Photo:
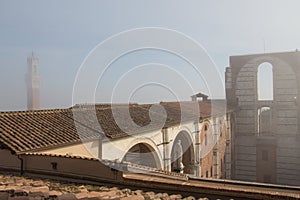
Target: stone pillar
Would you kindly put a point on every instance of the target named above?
(197, 159)
(228, 147)
(215, 148)
(166, 150)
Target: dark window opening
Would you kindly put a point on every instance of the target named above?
(205, 127)
(54, 165)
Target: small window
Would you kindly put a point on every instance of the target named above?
(205, 127)
(211, 171)
(206, 174)
(205, 139)
(54, 165)
(265, 155)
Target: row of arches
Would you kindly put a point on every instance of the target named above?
(144, 154)
(182, 151)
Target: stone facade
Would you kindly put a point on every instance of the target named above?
(266, 144)
(216, 148)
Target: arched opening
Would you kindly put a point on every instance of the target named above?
(207, 144)
(206, 139)
(187, 157)
(264, 121)
(265, 81)
(142, 154)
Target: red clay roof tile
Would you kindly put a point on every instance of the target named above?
(30, 130)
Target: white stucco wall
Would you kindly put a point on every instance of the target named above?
(116, 149)
(86, 149)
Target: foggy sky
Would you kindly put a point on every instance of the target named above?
(62, 33)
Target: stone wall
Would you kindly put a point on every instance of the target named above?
(8, 160)
(241, 92)
(59, 166)
(215, 152)
(17, 188)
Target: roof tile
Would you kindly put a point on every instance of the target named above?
(31, 130)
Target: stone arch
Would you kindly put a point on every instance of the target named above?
(187, 150)
(282, 114)
(207, 140)
(265, 88)
(246, 80)
(143, 152)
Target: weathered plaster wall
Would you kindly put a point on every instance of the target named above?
(8, 160)
(87, 149)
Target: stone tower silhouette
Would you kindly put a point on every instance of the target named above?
(33, 83)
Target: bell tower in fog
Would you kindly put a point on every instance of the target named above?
(33, 83)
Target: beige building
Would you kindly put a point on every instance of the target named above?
(41, 141)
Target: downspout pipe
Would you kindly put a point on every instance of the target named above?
(22, 164)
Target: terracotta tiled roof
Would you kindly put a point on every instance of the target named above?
(30, 130)
(202, 109)
(119, 120)
(62, 156)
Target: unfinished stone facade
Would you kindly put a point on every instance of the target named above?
(267, 137)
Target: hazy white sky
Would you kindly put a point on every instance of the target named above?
(62, 33)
